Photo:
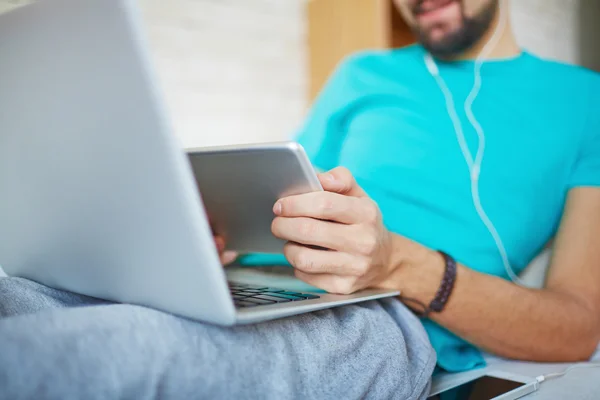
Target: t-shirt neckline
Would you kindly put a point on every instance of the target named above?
(490, 67)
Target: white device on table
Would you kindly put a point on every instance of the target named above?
(240, 185)
(97, 196)
(495, 385)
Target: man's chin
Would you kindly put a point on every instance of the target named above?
(448, 46)
(447, 42)
(453, 38)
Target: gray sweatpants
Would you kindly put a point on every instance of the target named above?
(58, 345)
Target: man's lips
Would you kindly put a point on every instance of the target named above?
(425, 7)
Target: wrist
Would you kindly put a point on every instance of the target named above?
(417, 270)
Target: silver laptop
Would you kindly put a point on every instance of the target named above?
(96, 195)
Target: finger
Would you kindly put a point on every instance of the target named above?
(227, 257)
(321, 205)
(313, 232)
(340, 180)
(317, 261)
(220, 243)
(329, 282)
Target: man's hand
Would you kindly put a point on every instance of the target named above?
(226, 256)
(336, 238)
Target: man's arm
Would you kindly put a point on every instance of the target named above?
(558, 323)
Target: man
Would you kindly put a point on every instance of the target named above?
(406, 192)
(384, 117)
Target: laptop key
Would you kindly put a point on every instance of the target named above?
(285, 296)
(270, 298)
(241, 303)
(264, 289)
(259, 301)
(239, 296)
(262, 295)
(239, 285)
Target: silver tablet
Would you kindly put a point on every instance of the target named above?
(240, 185)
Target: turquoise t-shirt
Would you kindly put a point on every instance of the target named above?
(383, 117)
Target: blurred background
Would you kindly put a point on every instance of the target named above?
(241, 71)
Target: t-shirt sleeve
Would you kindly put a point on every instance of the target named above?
(322, 133)
(586, 170)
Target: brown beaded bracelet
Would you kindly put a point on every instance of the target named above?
(444, 291)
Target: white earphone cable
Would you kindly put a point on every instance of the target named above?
(488, 48)
(474, 164)
(455, 120)
(545, 377)
(479, 61)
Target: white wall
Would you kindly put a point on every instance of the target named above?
(567, 30)
(548, 27)
(232, 70)
(6, 5)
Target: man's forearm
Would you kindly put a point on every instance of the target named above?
(496, 315)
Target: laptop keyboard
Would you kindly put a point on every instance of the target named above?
(245, 296)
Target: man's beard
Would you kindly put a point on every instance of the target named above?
(470, 32)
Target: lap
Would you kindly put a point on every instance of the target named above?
(61, 344)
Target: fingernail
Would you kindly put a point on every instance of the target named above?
(331, 183)
(228, 257)
(230, 254)
(277, 208)
(330, 177)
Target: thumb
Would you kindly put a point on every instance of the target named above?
(340, 180)
(227, 257)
